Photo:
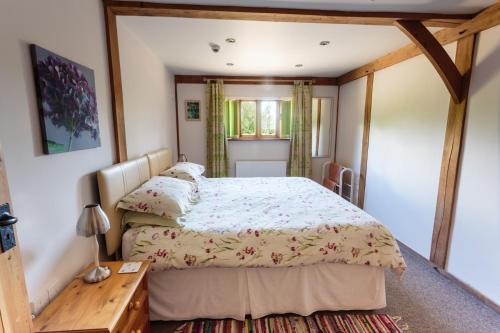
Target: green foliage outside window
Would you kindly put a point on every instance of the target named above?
(248, 118)
(268, 111)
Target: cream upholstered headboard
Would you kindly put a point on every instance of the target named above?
(120, 179)
(114, 183)
(159, 161)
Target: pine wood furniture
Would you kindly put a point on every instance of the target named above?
(118, 304)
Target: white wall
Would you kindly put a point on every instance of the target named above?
(148, 97)
(48, 192)
(350, 127)
(409, 112)
(474, 254)
(410, 106)
(192, 134)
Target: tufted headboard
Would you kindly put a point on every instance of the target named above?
(120, 179)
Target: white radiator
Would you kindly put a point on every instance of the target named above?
(261, 168)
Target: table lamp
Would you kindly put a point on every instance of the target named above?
(92, 222)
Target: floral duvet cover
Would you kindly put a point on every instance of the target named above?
(268, 222)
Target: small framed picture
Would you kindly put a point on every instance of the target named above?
(192, 108)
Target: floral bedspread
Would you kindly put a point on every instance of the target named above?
(268, 222)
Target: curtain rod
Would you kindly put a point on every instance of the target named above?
(270, 80)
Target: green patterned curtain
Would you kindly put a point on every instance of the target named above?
(217, 156)
(300, 159)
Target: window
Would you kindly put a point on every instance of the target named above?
(248, 118)
(257, 119)
(321, 121)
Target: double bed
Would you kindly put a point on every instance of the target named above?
(253, 246)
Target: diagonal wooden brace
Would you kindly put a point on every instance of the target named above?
(437, 55)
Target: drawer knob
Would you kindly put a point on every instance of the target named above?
(137, 306)
(138, 331)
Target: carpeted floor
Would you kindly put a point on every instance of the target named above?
(427, 301)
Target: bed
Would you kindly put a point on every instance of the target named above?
(253, 247)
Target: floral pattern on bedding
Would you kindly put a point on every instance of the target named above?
(268, 222)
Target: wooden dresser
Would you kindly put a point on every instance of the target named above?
(118, 304)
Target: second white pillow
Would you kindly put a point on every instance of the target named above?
(185, 170)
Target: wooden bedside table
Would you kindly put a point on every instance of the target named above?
(118, 304)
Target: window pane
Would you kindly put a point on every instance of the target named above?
(268, 112)
(248, 118)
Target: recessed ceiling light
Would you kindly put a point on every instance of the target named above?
(324, 42)
(229, 64)
(230, 40)
(299, 65)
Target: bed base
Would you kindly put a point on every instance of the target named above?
(235, 292)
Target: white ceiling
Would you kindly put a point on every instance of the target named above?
(274, 48)
(429, 6)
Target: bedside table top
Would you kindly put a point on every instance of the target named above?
(98, 306)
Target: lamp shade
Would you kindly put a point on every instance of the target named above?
(92, 221)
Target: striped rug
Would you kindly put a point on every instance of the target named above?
(320, 323)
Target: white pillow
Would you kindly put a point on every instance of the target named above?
(163, 196)
(185, 170)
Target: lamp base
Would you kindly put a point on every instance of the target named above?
(97, 274)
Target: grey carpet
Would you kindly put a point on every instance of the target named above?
(427, 301)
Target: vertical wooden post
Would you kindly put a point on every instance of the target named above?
(336, 125)
(451, 157)
(116, 84)
(177, 120)
(366, 140)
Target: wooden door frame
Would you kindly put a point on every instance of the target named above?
(10, 261)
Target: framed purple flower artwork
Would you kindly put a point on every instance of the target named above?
(66, 102)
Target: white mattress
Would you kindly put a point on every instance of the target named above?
(235, 292)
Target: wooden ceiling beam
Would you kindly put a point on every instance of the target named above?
(485, 19)
(138, 8)
(436, 54)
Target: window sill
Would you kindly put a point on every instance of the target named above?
(257, 139)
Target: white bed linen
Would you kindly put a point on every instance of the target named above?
(268, 222)
(234, 292)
